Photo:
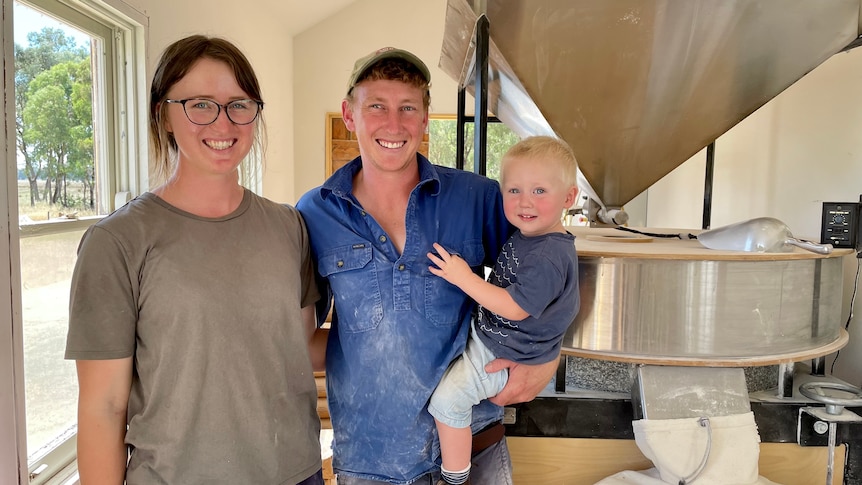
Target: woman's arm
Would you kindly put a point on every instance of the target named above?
(103, 399)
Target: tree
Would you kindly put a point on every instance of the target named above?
(53, 86)
(32, 166)
(81, 159)
(442, 134)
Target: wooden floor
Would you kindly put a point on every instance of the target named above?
(573, 461)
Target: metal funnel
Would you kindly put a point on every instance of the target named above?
(637, 87)
(759, 235)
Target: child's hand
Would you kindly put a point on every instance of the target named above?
(450, 267)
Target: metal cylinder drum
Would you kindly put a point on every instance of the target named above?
(680, 301)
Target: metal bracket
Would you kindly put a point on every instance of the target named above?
(510, 415)
(813, 425)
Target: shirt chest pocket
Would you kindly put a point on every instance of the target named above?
(352, 276)
(445, 303)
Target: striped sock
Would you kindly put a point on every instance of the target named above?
(455, 478)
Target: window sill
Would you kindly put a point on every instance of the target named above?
(66, 476)
(56, 226)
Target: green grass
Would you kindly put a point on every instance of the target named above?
(42, 211)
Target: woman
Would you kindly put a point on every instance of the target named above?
(186, 304)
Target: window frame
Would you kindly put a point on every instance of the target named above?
(122, 158)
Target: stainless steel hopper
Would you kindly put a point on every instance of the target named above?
(637, 87)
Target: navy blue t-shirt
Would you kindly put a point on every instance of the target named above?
(541, 275)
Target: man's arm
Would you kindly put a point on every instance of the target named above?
(525, 381)
(316, 338)
(103, 399)
(455, 270)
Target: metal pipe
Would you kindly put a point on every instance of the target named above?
(560, 380)
(818, 366)
(707, 185)
(830, 460)
(480, 134)
(785, 380)
(460, 129)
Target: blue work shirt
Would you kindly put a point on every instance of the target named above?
(396, 326)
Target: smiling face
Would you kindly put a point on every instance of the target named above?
(535, 195)
(389, 120)
(218, 148)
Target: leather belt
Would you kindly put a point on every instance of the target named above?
(488, 436)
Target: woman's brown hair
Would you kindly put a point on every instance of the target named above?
(176, 61)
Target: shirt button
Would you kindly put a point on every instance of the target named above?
(363, 213)
(400, 267)
(382, 238)
(340, 264)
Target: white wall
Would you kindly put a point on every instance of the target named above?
(324, 57)
(261, 34)
(799, 150)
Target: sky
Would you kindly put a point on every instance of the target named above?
(29, 20)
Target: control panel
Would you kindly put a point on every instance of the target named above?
(840, 224)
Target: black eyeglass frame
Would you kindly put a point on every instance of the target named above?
(220, 108)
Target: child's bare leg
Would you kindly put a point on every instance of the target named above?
(455, 448)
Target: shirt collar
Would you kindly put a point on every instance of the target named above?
(341, 182)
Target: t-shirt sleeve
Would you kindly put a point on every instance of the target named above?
(540, 282)
(310, 293)
(103, 309)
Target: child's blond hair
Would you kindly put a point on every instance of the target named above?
(548, 149)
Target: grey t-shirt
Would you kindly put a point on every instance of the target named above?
(222, 386)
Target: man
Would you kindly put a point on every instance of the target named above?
(396, 326)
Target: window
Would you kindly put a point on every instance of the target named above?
(443, 144)
(78, 138)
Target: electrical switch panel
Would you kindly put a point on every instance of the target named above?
(840, 224)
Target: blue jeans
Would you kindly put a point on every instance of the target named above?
(492, 466)
(316, 479)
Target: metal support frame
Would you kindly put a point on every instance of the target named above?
(480, 127)
(818, 365)
(707, 186)
(461, 120)
(560, 379)
(810, 433)
(480, 119)
(460, 128)
(785, 380)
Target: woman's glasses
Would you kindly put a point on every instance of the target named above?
(203, 111)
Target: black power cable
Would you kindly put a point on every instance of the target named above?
(655, 234)
(852, 301)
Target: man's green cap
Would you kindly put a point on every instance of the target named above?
(364, 63)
